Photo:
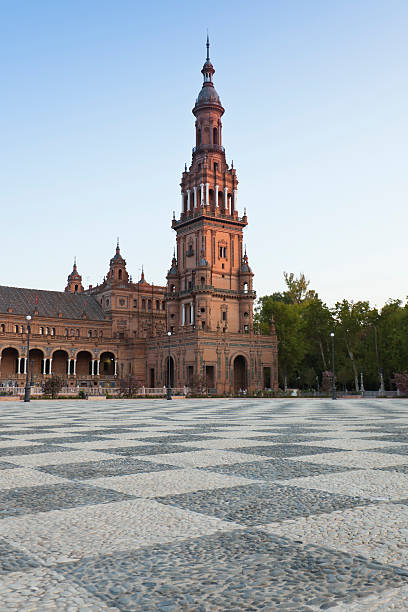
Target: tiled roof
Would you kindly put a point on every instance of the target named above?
(50, 303)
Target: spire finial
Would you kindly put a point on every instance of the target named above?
(208, 48)
(117, 242)
(142, 276)
(75, 263)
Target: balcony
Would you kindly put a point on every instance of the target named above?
(209, 147)
(210, 288)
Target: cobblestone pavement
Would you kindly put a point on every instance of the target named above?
(204, 505)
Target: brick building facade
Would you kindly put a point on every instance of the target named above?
(97, 335)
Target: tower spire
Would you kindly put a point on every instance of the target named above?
(208, 48)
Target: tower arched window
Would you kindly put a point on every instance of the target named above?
(47, 331)
(245, 287)
(215, 136)
(42, 331)
(76, 288)
(16, 329)
(2, 328)
(120, 275)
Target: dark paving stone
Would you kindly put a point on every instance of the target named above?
(276, 469)
(103, 469)
(65, 440)
(28, 500)
(31, 450)
(7, 466)
(403, 469)
(175, 439)
(401, 438)
(288, 439)
(259, 504)
(285, 450)
(154, 449)
(14, 560)
(235, 571)
(391, 450)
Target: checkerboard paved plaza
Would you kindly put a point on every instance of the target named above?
(204, 505)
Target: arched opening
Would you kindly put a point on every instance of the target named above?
(212, 199)
(120, 274)
(60, 363)
(215, 136)
(36, 361)
(207, 135)
(221, 200)
(9, 361)
(2, 328)
(229, 204)
(76, 288)
(245, 287)
(169, 369)
(84, 363)
(107, 365)
(240, 373)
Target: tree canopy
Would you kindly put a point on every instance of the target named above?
(367, 341)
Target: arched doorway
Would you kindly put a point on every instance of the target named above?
(107, 365)
(36, 361)
(166, 374)
(84, 363)
(240, 373)
(9, 361)
(59, 363)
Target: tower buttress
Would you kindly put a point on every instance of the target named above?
(117, 268)
(74, 284)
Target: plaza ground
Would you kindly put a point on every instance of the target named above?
(204, 505)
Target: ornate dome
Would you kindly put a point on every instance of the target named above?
(208, 95)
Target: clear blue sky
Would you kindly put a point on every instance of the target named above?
(96, 126)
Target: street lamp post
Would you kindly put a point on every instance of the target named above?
(333, 374)
(27, 389)
(168, 371)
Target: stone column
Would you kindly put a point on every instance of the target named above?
(74, 372)
(25, 365)
(69, 367)
(195, 197)
(44, 361)
(18, 365)
(183, 314)
(50, 372)
(201, 193)
(93, 367)
(116, 367)
(216, 196)
(235, 201)
(226, 200)
(188, 200)
(182, 202)
(207, 194)
(98, 363)
(192, 313)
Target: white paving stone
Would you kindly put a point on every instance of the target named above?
(371, 484)
(59, 458)
(25, 477)
(355, 459)
(43, 589)
(377, 531)
(203, 458)
(59, 536)
(172, 482)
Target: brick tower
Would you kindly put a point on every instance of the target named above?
(209, 285)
